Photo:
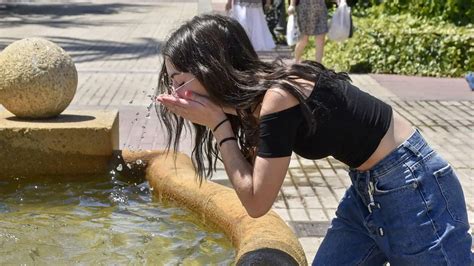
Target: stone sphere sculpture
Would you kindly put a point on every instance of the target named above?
(38, 78)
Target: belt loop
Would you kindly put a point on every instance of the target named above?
(412, 149)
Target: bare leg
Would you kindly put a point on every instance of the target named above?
(299, 48)
(319, 43)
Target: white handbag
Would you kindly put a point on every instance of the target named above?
(340, 26)
(292, 31)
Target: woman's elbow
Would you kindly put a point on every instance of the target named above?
(257, 212)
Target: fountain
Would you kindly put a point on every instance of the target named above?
(60, 158)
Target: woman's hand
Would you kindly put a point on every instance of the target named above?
(228, 6)
(194, 107)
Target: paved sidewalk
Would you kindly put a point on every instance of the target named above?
(115, 45)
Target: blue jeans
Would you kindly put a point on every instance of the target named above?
(409, 209)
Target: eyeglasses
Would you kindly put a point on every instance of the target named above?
(174, 91)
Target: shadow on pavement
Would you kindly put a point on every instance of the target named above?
(59, 15)
(86, 50)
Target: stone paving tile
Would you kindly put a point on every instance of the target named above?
(298, 214)
(310, 245)
(318, 214)
(312, 202)
(425, 88)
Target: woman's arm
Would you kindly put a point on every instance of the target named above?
(256, 186)
(291, 7)
(228, 5)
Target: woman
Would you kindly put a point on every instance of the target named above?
(249, 13)
(405, 205)
(312, 18)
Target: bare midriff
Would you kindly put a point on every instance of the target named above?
(399, 131)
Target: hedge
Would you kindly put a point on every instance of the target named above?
(459, 12)
(402, 44)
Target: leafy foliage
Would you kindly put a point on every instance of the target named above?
(459, 12)
(402, 44)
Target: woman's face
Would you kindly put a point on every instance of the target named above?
(183, 81)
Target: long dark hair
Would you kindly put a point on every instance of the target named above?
(217, 51)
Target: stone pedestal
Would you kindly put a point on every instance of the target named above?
(74, 143)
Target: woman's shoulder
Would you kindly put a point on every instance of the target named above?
(276, 100)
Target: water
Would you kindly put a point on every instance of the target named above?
(146, 114)
(97, 220)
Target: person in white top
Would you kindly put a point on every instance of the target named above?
(249, 13)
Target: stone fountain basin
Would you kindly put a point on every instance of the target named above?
(86, 142)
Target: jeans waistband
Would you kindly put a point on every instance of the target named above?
(363, 181)
(415, 145)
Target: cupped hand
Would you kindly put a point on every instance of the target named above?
(194, 107)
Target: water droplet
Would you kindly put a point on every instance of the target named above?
(119, 167)
(139, 162)
(112, 172)
(129, 166)
(36, 187)
(118, 197)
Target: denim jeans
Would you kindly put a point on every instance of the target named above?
(408, 209)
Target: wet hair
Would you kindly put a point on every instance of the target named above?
(218, 52)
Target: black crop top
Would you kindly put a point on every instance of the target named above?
(350, 132)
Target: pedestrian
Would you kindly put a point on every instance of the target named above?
(405, 205)
(279, 13)
(312, 18)
(249, 13)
